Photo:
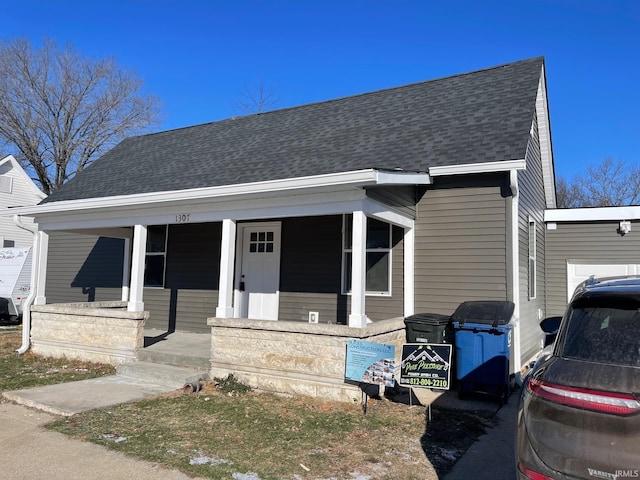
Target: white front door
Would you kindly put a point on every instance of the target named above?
(258, 281)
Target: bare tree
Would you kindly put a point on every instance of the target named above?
(257, 99)
(568, 194)
(607, 184)
(59, 110)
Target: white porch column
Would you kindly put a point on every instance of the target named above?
(227, 257)
(409, 271)
(357, 318)
(137, 268)
(126, 270)
(40, 265)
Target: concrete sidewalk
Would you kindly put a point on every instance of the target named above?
(30, 452)
(492, 456)
(67, 399)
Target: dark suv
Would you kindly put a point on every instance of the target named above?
(579, 413)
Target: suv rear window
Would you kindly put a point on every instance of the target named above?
(603, 331)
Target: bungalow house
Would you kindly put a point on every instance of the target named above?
(326, 221)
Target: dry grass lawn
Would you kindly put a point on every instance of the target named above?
(224, 432)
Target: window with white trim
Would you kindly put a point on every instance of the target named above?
(155, 260)
(378, 256)
(532, 259)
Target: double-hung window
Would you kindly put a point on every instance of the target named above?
(532, 259)
(155, 260)
(378, 256)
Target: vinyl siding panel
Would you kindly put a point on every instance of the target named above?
(400, 198)
(180, 309)
(86, 268)
(596, 242)
(83, 268)
(531, 204)
(460, 244)
(192, 274)
(310, 269)
(311, 273)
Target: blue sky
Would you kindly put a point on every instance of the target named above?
(200, 56)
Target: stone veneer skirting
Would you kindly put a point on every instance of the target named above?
(103, 332)
(294, 357)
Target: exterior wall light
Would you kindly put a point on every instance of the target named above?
(625, 227)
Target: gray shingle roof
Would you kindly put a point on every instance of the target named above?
(482, 116)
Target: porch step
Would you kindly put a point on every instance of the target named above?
(167, 375)
(180, 359)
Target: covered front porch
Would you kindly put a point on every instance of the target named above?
(294, 354)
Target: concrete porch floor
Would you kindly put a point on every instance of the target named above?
(176, 348)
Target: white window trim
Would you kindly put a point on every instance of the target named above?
(157, 254)
(532, 242)
(389, 250)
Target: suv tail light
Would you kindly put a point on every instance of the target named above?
(598, 401)
(532, 474)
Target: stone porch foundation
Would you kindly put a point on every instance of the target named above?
(103, 332)
(294, 357)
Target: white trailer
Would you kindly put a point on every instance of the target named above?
(15, 281)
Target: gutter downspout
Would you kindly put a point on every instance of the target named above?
(515, 269)
(26, 307)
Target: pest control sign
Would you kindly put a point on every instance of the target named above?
(426, 365)
(370, 362)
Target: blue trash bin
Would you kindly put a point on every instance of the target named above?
(484, 344)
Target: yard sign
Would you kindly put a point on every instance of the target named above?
(370, 362)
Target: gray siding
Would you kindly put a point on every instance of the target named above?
(598, 242)
(84, 268)
(460, 244)
(400, 198)
(311, 272)
(180, 309)
(310, 269)
(192, 274)
(531, 204)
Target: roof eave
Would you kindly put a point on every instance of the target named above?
(283, 187)
(593, 214)
(471, 168)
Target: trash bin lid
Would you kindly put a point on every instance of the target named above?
(490, 312)
(428, 319)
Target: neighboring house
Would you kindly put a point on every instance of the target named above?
(355, 210)
(582, 242)
(16, 190)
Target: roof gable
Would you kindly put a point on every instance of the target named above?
(9, 163)
(478, 117)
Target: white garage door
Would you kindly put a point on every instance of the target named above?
(578, 272)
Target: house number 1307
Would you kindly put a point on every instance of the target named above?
(182, 218)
